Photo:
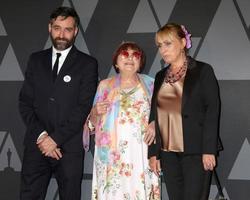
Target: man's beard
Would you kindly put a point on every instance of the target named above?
(62, 43)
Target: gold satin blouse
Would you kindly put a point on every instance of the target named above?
(169, 102)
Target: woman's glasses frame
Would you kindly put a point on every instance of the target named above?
(125, 54)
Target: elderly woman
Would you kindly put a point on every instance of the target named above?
(119, 119)
(185, 109)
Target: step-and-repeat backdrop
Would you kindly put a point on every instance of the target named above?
(220, 33)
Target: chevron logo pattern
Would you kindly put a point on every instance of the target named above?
(220, 36)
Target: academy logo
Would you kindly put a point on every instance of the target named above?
(221, 44)
(9, 158)
(2, 29)
(214, 193)
(9, 66)
(242, 7)
(240, 169)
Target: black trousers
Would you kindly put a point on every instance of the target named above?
(38, 169)
(184, 176)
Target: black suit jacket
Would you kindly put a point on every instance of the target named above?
(61, 107)
(200, 110)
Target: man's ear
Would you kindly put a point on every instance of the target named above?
(76, 31)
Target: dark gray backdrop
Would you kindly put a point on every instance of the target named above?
(221, 34)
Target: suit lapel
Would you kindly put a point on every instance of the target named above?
(189, 81)
(48, 64)
(158, 84)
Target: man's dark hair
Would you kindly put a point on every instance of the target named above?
(65, 12)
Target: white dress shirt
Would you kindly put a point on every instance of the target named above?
(62, 58)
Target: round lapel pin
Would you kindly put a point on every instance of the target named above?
(67, 78)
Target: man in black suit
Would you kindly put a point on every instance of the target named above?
(56, 97)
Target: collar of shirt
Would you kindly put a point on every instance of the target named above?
(62, 58)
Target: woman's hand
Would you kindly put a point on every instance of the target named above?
(209, 161)
(100, 108)
(150, 133)
(155, 165)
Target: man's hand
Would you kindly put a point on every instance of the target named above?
(57, 154)
(48, 147)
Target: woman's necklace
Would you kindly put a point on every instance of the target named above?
(125, 95)
(172, 77)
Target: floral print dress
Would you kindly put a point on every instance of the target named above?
(120, 162)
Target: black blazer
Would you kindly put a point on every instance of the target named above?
(200, 110)
(61, 107)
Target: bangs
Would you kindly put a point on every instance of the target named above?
(164, 35)
(127, 46)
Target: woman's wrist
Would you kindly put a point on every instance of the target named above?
(91, 121)
(90, 125)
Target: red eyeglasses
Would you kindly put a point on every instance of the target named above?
(125, 54)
